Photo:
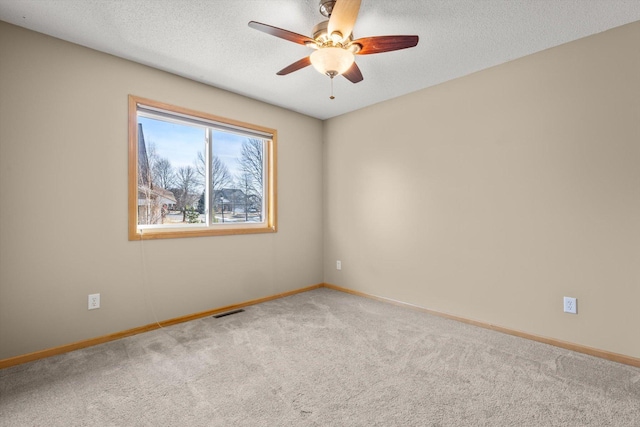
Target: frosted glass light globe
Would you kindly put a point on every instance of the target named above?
(332, 60)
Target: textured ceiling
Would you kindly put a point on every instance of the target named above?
(210, 42)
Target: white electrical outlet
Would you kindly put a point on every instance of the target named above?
(94, 301)
(570, 305)
(338, 265)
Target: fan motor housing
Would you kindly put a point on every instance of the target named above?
(321, 35)
(326, 7)
(320, 31)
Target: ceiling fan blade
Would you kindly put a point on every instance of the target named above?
(380, 44)
(304, 62)
(343, 17)
(283, 34)
(353, 74)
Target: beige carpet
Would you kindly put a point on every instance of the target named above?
(321, 358)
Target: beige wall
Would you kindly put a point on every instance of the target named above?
(493, 196)
(63, 213)
(489, 197)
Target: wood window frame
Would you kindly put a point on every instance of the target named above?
(269, 225)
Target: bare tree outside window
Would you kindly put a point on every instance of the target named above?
(244, 183)
(252, 168)
(187, 190)
(163, 174)
(220, 176)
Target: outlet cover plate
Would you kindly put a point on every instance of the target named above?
(570, 305)
(94, 301)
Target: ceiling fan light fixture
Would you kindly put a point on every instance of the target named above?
(332, 61)
(334, 43)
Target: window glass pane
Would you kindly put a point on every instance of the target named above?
(237, 178)
(171, 173)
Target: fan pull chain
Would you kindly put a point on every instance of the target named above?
(332, 97)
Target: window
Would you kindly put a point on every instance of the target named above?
(193, 174)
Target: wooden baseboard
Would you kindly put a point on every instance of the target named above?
(615, 357)
(17, 360)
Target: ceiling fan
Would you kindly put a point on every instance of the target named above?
(335, 48)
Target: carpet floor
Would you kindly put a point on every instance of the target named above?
(321, 358)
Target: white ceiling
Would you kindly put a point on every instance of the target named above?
(209, 40)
